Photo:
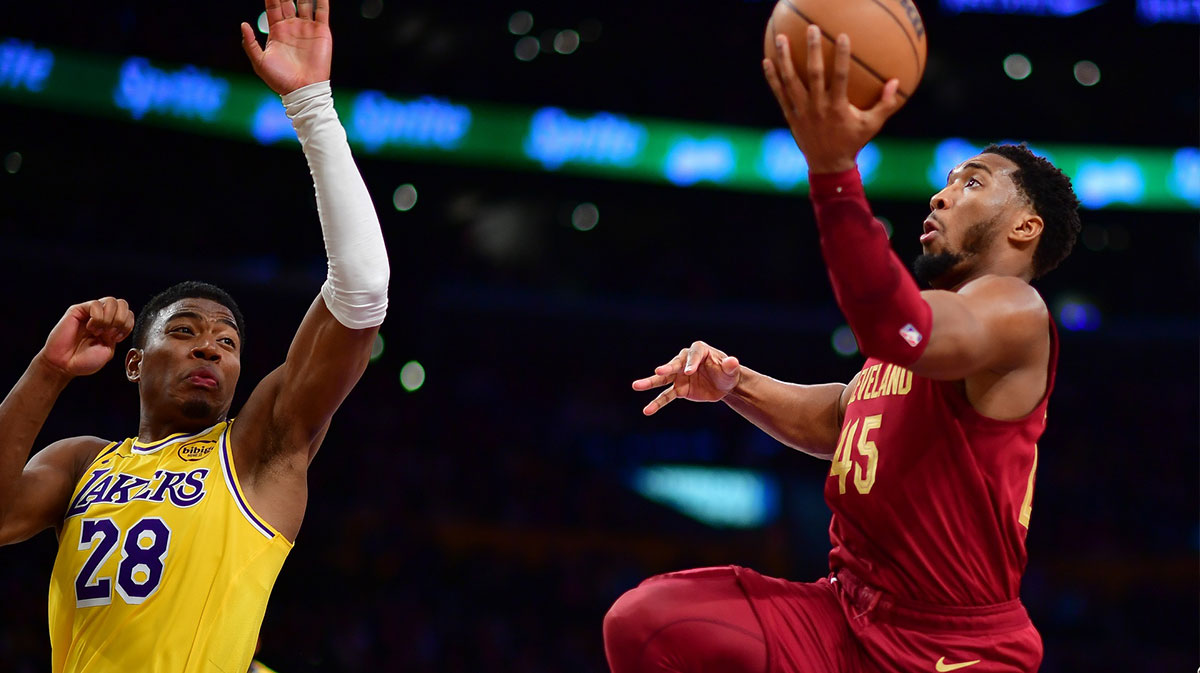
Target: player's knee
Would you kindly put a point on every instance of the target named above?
(629, 617)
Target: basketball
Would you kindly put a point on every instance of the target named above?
(887, 40)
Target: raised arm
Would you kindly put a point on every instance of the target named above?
(287, 414)
(807, 418)
(992, 323)
(34, 495)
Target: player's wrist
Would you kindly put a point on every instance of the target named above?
(45, 371)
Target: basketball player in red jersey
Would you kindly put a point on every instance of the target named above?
(932, 444)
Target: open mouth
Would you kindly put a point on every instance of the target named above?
(931, 231)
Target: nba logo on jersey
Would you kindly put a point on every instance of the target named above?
(910, 335)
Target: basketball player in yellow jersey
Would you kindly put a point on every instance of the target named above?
(170, 541)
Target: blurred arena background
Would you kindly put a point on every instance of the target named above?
(480, 509)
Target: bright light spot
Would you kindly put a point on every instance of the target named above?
(1099, 183)
(12, 162)
(717, 496)
(556, 137)
(1017, 66)
(1079, 316)
(527, 48)
(263, 27)
(946, 156)
(566, 42)
(1087, 73)
(585, 216)
(691, 160)
(1185, 174)
(404, 198)
(844, 342)
(371, 9)
(412, 376)
(520, 23)
(377, 347)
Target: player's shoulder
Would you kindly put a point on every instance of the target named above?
(74, 453)
(1009, 295)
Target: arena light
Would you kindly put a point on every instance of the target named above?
(585, 217)
(843, 341)
(603, 144)
(412, 376)
(722, 497)
(404, 198)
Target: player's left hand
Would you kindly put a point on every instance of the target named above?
(827, 127)
(299, 45)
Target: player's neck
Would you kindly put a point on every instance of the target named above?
(152, 428)
(1002, 266)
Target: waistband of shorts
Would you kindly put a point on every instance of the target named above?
(884, 607)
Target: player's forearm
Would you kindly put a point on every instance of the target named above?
(355, 289)
(22, 414)
(803, 417)
(879, 298)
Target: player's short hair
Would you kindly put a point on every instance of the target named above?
(188, 289)
(1049, 191)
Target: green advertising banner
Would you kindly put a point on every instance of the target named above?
(600, 144)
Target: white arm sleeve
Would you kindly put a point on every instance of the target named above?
(356, 284)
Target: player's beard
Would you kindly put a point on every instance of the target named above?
(930, 267)
(197, 409)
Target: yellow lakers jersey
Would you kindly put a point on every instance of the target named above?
(162, 565)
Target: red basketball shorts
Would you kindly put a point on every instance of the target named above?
(841, 625)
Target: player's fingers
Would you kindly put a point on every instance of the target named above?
(250, 44)
(124, 319)
(111, 306)
(288, 9)
(888, 103)
(322, 14)
(674, 366)
(95, 313)
(695, 357)
(652, 382)
(730, 365)
(664, 398)
(304, 9)
(841, 70)
(274, 11)
(793, 87)
(815, 66)
(785, 102)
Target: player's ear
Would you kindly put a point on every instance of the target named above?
(1027, 230)
(133, 365)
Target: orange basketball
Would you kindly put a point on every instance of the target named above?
(887, 39)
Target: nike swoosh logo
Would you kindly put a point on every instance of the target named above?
(942, 667)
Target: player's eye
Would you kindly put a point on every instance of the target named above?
(181, 329)
(973, 181)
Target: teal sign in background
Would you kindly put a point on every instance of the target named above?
(600, 144)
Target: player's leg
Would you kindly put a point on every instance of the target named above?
(695, 621)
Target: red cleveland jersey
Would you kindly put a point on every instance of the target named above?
(931, 499)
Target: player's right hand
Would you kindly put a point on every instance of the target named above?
(86, 337)
(700, 373)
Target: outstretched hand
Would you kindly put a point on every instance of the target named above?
(86, 337)
(827, 127)
(700, 374)
(299, 45)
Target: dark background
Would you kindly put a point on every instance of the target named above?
(483, 523)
